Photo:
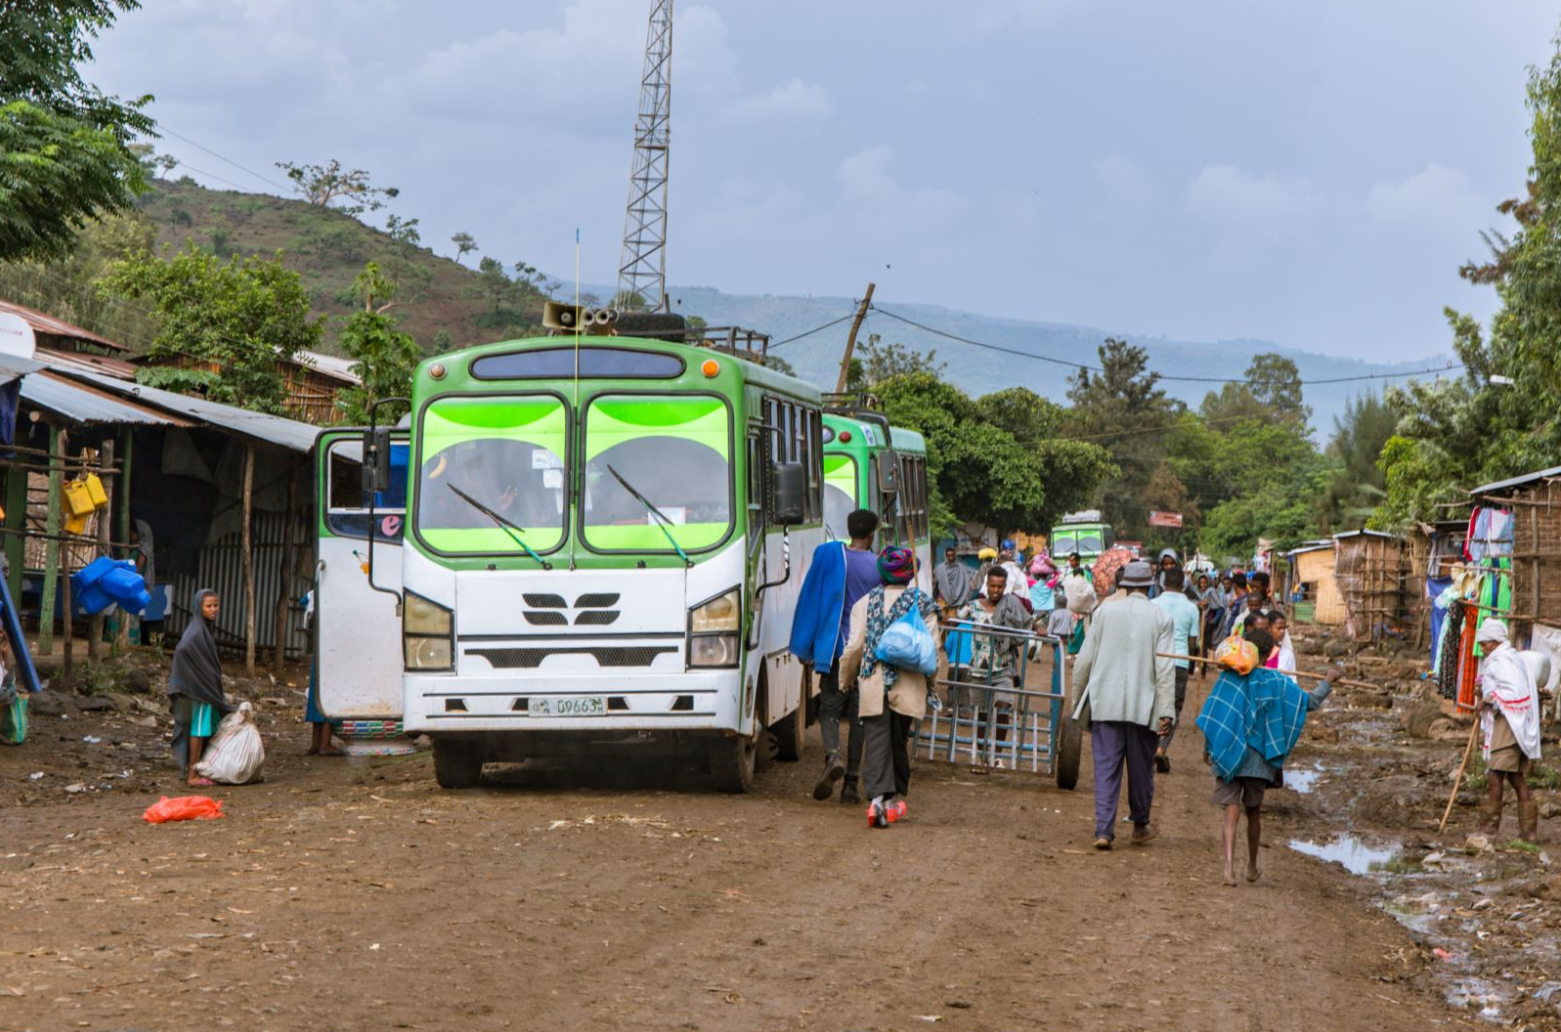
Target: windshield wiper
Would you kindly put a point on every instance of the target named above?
(504, 524)
(658, 517)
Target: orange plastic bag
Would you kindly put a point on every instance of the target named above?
(1236, 654)
(184, 808)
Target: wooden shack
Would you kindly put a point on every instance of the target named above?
(1312, 567)
(1369, 569)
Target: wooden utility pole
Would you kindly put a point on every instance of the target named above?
(249, 560)
(105, 516)
(67, 604)
(51, 547)
(856, 324)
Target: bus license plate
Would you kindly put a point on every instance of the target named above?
(567, 706)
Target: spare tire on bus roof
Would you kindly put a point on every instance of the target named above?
(654, 325)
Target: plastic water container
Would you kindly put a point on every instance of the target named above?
(93, 572)
(91, 601)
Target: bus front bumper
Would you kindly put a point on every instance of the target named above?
(651, 701)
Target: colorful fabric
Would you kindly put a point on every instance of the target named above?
(203, 720)
(896, 565)
(878, 621)
(1264, 710)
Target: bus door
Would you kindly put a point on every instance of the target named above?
(357, 630)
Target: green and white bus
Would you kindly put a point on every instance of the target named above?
(605, 540)
(870, 465)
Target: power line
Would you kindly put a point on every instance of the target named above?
(219, 157)
(211, 175)
(1181, 379)
(816, 329)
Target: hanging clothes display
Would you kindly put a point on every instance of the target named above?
(1447, 661)
(1440, 591)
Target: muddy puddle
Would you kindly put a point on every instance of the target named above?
(1485, 911)
(1347, 851)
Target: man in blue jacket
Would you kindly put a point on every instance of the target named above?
(837, 577)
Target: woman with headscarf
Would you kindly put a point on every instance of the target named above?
(195, 687)
(1509, 717)
(890, 698)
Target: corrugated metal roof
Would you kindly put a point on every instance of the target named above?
(42, 323)
(12, 366)
(1527, 478)
(1359, 533)
(286, 433)
(83, 404)
(330, 365)
(115, 367)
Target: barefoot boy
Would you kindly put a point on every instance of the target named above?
(1250, 724)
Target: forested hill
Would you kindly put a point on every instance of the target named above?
(440, 302)
(979, 371)
(445, 304)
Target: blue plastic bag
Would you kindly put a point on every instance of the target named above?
(907, 645)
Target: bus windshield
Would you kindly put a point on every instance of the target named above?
(676, 452)
(505, 454)
(839, 493)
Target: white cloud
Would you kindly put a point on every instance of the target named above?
(1124, 182)
(1238, 203)
(792, 100)
(868, 188)
(1435, 198)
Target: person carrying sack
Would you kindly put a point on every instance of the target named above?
(890, 697)
(195, 692)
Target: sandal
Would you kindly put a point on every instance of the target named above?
(200, 783)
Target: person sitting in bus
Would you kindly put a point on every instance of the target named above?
(838, 575)
(994, 658)
(890, 698)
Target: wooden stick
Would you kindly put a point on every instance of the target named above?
(1292, 673)
(1458, 781)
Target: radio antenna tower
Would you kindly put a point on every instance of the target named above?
(642, 276)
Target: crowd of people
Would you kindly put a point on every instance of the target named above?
(1135, 652)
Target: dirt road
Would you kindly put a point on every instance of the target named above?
(359, 896)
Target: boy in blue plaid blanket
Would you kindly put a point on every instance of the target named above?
(1250, 724)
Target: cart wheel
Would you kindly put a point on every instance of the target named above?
(1070, 744)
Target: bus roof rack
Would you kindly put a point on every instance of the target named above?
(852, 403)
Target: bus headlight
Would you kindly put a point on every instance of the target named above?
(713, 628)
(719, 614)
(427, 634)
(713, 650)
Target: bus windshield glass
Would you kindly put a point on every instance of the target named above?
(676, 453)
(839, 493)
(506, 455)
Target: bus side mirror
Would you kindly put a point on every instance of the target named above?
(376, 460)
(889, 473)
(791, 492)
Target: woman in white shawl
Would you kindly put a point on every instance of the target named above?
(1509, 716)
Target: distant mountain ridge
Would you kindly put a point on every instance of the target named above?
(980, 371)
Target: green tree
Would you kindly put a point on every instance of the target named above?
(324, 184)
(384, 358)
(65, 147)
(1356, 485)
(464, 244)
(876, 361)
(227, 323)
(1275, 383)
(66, 287)
(1123, 409)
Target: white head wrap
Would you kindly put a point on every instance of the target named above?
(1491, 629)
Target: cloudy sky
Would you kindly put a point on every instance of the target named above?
(1309, 173)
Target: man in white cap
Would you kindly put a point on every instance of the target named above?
(1128, 695)
(1509, 706)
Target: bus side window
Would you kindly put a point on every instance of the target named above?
(813, 459)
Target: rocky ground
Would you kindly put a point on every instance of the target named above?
(625, 894)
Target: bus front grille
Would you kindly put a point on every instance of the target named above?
(605, 656)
